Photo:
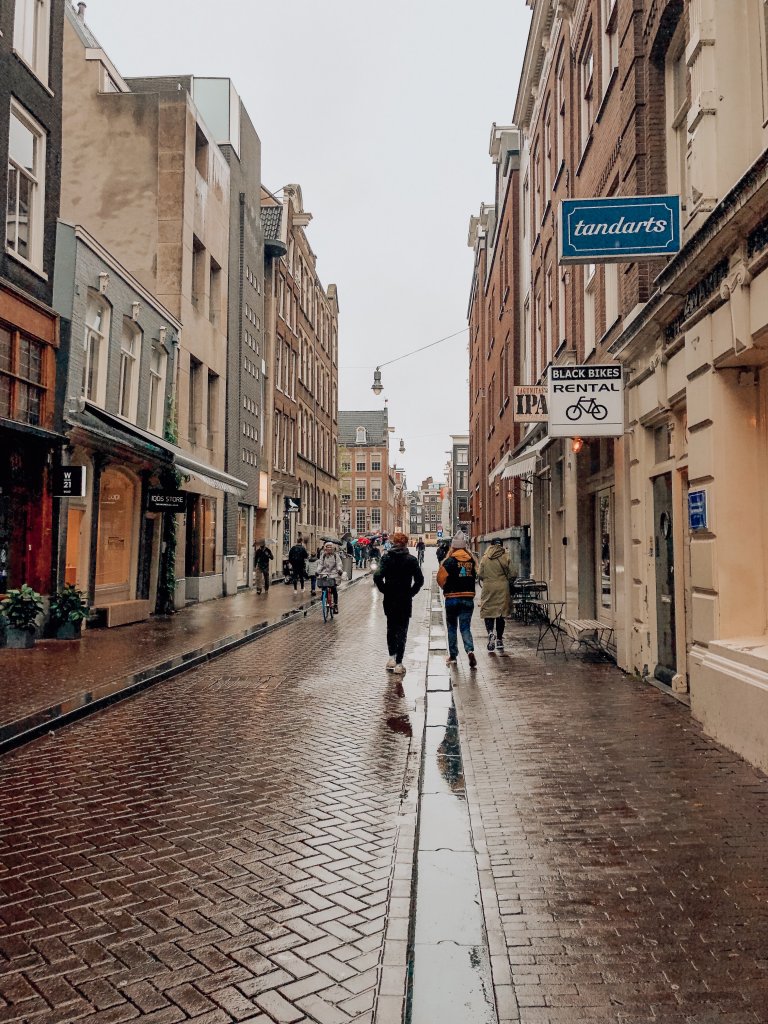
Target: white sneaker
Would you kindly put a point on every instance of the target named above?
(399, 670)
(391, 665)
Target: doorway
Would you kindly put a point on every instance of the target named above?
(604, 543)
(664, 557)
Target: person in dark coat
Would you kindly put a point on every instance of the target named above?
(297, 559)
(262, 556)
(399, 578)
(442, 550)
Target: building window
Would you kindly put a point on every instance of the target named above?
(586, 83)
(195, 398)
(346, 466)
(360, 464)
(676, 89)
(610, 40)
(375, 518)
(561, 321)
(360, 436)
(560, 104)
(130, 351)
(198, 273)
(359, 492)
(589, 308)
(360, 518)
(31, 35)
(214, 292)
(611, 272)
(26, 187)
(201, 537)
(375, 463)
(114, 559)
(462, 456)
(375, 493)
(23, 374)
(201, 153)
(94, 383)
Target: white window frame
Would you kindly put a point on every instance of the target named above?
(130, 361)
(610, 47)
(587, 92)
(677, 112)
(611, 276)
(33, 53)
(36, 177)
(100, 339)
(590, 308)
(157, 378)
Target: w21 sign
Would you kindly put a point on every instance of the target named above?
(619, 229)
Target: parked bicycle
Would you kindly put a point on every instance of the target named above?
(590, 406)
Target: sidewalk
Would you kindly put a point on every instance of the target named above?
(58, 678)
(622, 853)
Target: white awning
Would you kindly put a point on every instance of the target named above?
(500, 466)
(525, 462)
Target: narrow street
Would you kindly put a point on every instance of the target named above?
(219, 848)
(232, 844)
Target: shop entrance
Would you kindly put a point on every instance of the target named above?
(243, 547)
(664, 555)
(114, 553)
(604, 542)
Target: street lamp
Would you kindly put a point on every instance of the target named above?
(377, 387)
(402, 446)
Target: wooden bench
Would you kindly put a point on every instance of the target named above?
(589, 633)
(121, 613)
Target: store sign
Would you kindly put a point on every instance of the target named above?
(292, 504)
(159, 500)
(619, 230)
(697, 510)
(69, 482)
(531, 404)
(586, 401)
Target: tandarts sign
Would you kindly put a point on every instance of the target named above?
(619, 230)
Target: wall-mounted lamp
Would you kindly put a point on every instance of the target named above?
(577, 443)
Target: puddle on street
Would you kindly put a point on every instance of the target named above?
(401, 724)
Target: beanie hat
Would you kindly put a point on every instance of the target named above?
(459, 540)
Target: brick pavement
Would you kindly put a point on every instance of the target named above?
(220, 848)
(56, 670)
(623, 855)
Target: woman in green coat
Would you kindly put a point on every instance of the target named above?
(495, 572)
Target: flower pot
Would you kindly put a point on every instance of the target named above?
(68, 630)
(20, 638)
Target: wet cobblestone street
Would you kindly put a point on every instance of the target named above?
(623, 855)
(219, 848)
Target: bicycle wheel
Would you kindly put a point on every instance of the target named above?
(599, 411)
(573, 412)
(324, 603)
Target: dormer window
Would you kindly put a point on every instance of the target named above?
(361, 436)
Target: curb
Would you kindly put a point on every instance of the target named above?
(38, 723)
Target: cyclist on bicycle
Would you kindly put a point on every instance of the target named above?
(329, 572)
(421, 547)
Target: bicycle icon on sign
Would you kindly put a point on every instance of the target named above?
(588, 407)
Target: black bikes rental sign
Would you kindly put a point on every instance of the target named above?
(586, 401)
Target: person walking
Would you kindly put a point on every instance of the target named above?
(442, 550)
(312, 565)
(494, 573)
(297, 559)
(457, 578)
(399, 578)
(262, 556)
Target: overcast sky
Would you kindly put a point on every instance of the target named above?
(382, 113)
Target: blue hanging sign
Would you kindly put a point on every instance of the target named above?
(620, 229)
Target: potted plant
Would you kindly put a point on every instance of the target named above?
(21, 609)
(68, 611)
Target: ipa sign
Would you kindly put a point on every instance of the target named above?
(586, 401)
(530, 404)
(619, 229)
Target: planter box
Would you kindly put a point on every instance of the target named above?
(20, 638)
(68, 630)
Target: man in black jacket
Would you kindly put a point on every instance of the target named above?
(297, 559)
(399, 578)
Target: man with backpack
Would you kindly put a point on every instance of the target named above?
(457, 578)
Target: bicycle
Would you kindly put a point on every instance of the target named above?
(420, 557)
(328, 602)
(590, 406)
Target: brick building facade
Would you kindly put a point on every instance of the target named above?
(368, 485)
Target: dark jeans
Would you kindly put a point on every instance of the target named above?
(397, 634)
(499, 630)
(298, 575)
(458, 612)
